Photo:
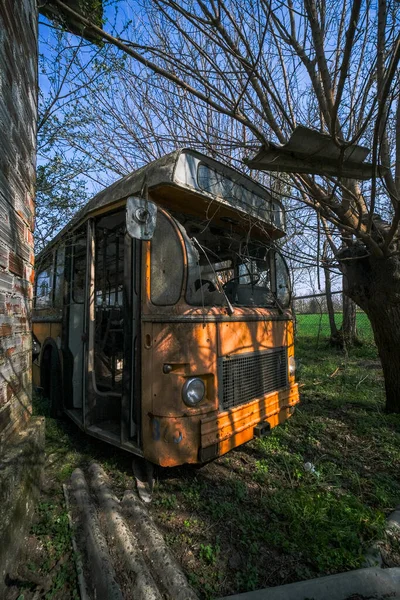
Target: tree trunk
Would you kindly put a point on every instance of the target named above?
(374, 285)
(385, 323)
(349, 328)
(329, 303)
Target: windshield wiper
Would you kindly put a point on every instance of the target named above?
(230, 308)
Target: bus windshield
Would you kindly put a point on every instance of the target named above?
(246, 273)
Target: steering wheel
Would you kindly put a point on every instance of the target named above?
(201, 282)
(254, 279)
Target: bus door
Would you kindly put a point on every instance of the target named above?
(112, 366)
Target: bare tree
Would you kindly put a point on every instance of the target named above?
(328, 292)
(267, 66)
(62, 172)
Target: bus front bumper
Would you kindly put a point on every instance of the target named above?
(222, 431)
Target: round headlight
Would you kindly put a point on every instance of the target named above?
(193, 391)
(292, 366)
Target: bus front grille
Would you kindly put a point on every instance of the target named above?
(249, 376)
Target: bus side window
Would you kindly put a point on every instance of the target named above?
(166, 275)
(110, 262)
(59, 277)
(44, 286)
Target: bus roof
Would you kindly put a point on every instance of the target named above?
(198, 174)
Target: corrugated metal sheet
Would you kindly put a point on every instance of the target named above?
(312, 152)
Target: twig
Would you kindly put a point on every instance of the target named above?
(361, 380)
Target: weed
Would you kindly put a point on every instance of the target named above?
(209, 553)
(51, 528)
(167, 501)
(192, 495)
(239, 489)
(326, 526)
(261, 470)
(248, 578)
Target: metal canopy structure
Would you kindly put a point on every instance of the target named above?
(314, 153)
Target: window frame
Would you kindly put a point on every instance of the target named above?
(73, 287)
(179, 239)
(47, 265)
(279, 254)
(58, 302)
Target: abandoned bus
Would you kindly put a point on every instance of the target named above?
(161, 316)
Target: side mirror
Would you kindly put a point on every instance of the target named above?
(141, 218)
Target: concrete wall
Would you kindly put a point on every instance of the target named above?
(18, 112)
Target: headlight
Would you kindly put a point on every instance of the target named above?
(193, 391)
(292, 366)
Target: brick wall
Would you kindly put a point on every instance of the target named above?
(18, 110)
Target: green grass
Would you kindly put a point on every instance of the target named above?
(272, 520)
(317, 326)
(258, 516)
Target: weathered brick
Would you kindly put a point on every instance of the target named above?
(18, 112)
(18, 108)
(15, 264)
(3, 257)
(29, 237)
(23, 288)
(5, 329)
(29, 274)
(15, 306)
(6, 281)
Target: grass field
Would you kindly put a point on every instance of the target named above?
(260, 515)
(317, 326)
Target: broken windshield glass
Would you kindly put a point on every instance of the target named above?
(230, 272)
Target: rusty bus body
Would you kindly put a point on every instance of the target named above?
(177, 344)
